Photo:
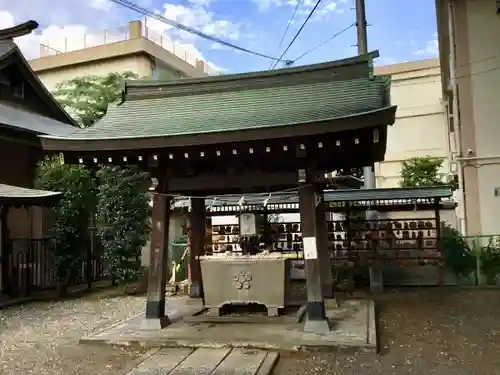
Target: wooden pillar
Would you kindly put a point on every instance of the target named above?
(4, 250)
(158, 266)
(439, 241)
(323, 249)
(196, 238)
(316, 320)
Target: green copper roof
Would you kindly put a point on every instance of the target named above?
(251, 101)
(238, 110)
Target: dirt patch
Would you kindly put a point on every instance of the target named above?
(422, 331)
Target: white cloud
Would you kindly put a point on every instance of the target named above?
(54, 39)
(101, 4)
(71, 27)
(198, 17)
(430, 49)
(327, 7)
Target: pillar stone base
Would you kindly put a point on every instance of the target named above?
(316, 310)
(316, 326)
(156, 323)
(155, 309)
(155, 315)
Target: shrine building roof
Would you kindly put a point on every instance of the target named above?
(56, 120)
(312, 99)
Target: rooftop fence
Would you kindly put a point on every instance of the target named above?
(63, 44)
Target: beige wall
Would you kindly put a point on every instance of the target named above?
(139, 64)
(478, 79)
(421, 125)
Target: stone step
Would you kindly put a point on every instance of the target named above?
(207, 361)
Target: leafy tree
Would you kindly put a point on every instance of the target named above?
(87, 98)
(421, 171)
(69, 234)
(123, 219)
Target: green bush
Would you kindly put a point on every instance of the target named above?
(123, 219)
(69, 234)
(490, 261)
(457, 253)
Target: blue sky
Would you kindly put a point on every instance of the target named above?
(398, 29)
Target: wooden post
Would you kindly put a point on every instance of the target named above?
(323, 249)
(158, 267)
(316, 317)
(196, 238)
(4, 250)
(439, 242)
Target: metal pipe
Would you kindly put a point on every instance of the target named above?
(472, 158)
(456, 119)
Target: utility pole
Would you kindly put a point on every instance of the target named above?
(368, 171)
(361, 27)
(376, 280)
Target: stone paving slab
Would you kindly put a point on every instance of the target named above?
(162, 362)
(352, 325)
(205, 361)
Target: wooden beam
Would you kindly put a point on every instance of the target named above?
(209, 182)
(214, 183)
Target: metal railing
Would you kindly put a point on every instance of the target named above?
(486, 251)
(63, 44)
(28, 266)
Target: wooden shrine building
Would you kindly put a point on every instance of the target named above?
(242, 133)
(27, 110)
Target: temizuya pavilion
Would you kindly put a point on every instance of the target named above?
(242, 133)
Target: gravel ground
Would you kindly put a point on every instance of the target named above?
(42, 338)
(421, 332)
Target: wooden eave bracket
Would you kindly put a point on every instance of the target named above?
(19, 30)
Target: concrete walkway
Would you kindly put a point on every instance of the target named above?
(206, 361)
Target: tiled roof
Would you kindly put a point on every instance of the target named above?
(19, 117)
(8, 49)
(340, 195)
(243, 102)
(240, 110)
(13, 195)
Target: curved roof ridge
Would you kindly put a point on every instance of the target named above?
(260, 74)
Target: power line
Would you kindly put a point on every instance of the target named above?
(297, 6)
(297, 35)
(146, 12)
(324, 42)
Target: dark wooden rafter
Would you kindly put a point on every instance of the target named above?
(18, 30)
(213, 167)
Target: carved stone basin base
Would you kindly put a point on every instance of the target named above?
(244, 279)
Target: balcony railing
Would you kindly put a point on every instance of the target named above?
(62, 44)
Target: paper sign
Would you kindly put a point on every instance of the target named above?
(310, 249)
(247, 225)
